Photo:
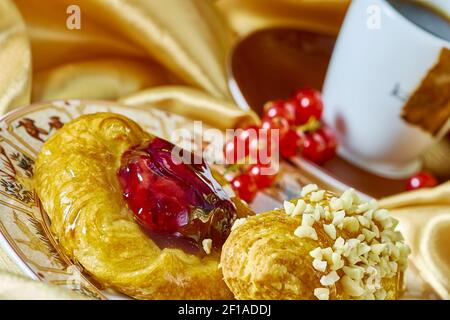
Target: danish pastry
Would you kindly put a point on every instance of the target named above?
(134, 218)
(317, 247)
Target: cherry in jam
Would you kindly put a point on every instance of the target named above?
(177, 204)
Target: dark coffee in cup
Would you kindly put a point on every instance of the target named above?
(426, 17)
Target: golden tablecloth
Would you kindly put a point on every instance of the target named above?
(171, 53)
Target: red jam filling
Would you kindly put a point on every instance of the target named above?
(177, 204)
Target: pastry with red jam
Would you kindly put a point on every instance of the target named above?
(136, 217)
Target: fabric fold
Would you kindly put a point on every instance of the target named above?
(15, 58)
(194, 104)
(424, 217)
(100, 79)
(246, 16)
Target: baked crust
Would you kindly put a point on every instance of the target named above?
(75, 179)
(263, 259)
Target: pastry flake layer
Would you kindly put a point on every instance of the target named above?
(318, 247)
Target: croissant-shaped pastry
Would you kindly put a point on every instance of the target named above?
(317, 247)
(76, 179)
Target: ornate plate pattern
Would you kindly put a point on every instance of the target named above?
(24, 226)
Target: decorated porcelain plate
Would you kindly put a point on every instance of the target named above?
(24, 226)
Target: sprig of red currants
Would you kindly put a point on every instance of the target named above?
(247, 169)
(301, 132)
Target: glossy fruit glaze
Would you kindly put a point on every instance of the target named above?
(177, 204)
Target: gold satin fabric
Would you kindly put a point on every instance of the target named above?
(246, 16)
(15, 58)
(219, 114)
(172, 54)
(186, 37)
(424, 217)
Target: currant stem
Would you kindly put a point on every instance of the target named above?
(312, 125)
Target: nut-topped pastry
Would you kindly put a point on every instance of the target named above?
(317, 247)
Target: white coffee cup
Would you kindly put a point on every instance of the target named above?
(379, 60)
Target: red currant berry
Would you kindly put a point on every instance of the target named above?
(245, 187)
(264, 147)
(421, 180)
(314, 147)
(280, 108)
(291, 144)
(262, 178)
(308, 103)
(240, 145)
(276, 123)
(330, 140)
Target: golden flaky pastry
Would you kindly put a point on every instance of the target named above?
(75, 179)
(318, 247)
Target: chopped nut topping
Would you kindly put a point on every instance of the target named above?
(377, 250)
(381, 215)
(368, 234)
(299, 208)
(351, 224)
(338, 217)
(363, 221)
(319, 265)
(318, 212)
(363, 207)
(368, 215)
(363, 248)
(308, 189)
(308, 220)
(361, 237)
(288, 207)
(393, 266)
(327, 215)
(326, 253)
(330, 230)
(355, 273)
(351, 287)
(207, 244)
(353, 258)
(353, 243)
(329, 279)
(387, 223)
(336, 204)
(316, 253)
(374, 229)
(339, 243)
(306, 232)
(337, 262)
(317, 196)
(309, 209)
(348, 197)
(322, 293)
